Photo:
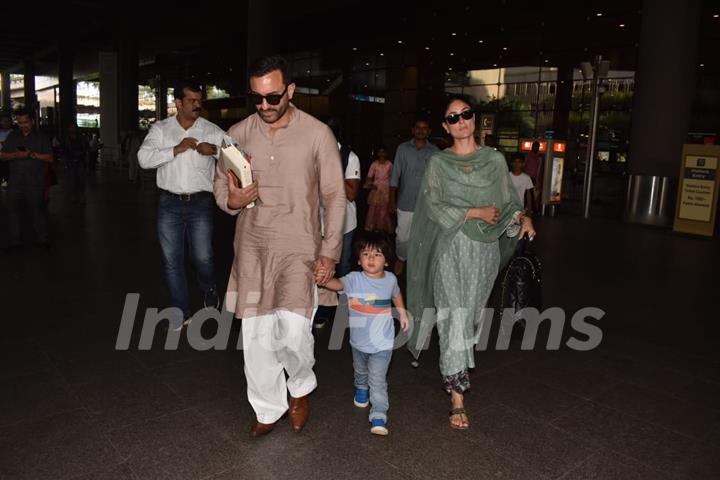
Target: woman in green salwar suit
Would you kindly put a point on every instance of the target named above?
(467, 220)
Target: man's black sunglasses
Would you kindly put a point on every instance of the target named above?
(272, 99)
(454, 118)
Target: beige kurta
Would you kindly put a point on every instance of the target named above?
(277, 241)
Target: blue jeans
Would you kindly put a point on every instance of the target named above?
(78, 169)
(31, 197)
(178, 218)
(371, 374)
(344, 266)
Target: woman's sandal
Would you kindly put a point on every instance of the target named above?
(459, 411)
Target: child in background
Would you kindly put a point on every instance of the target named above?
(522, 182)
(379, 218)
(371, 294)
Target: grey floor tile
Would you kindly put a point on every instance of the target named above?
(258, 472)
(664, 410)
(704, 393)
(419, 443)
(177, 446)
(34, 396)
(233, 415)
(120, 471)
(571, 375)
(523, 393)
(56, 409)
(120, 400)
(340, 464)
(19, 359)
(647, 371)
(427, 448)
(206, 377)
(607, 465)
(63, 446)
(535, 444)
(98, 365)
(678, 455)
(159, 357)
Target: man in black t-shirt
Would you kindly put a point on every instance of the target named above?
(28, 153)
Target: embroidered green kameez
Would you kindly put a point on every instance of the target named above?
(453, 262)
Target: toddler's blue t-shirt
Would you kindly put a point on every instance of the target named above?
(370, 305)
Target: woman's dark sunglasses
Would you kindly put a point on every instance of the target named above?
(272, 99)
(454, 118)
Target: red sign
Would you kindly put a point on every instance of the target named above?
(526, 145)
(559, 147)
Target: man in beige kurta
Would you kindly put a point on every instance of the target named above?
(278, 246)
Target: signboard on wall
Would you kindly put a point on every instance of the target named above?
(556, 179)
(487, 125)
(487, 121)
(696, 206)
(526, 145)
(554, 163)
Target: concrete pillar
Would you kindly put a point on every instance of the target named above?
(109, 107)
(563, 101)
(68, 93)
(259, 33)
(401, 100)
(161, 89)
(128, 79)
(5, 91)
(431, 91)
(29, 86)
(664, 89)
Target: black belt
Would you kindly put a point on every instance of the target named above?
(187, 197)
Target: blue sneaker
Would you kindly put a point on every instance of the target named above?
(361, 398)
(378, 427)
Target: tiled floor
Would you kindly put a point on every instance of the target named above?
(644, 405)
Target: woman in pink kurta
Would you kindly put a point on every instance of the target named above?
(378, 180)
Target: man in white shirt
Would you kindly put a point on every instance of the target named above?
(183, 148)
(351, 171)
(522, 182)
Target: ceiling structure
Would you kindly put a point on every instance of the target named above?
(186, 41)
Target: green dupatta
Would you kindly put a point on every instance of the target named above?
(452, 184)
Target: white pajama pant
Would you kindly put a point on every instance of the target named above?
(402, 233)
(272, 345)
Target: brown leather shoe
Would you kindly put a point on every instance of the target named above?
(259, 429)
(299, 412)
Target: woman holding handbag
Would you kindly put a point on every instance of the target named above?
(467, 219)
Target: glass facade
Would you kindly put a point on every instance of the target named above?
(524, 101)
(171, 108)
(147, 106)
(88, 104)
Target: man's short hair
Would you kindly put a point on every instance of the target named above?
(180, 87)
(21, 112)
(264, 65)
(422, 119)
